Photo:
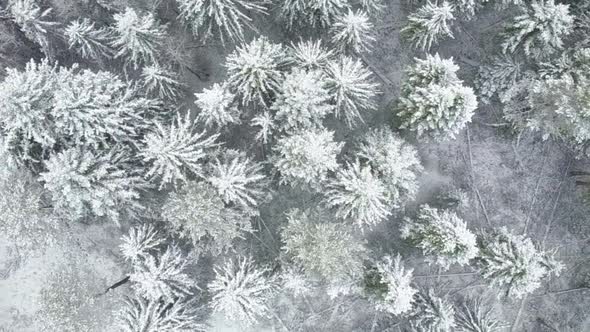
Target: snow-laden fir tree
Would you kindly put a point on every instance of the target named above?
(352, 88)
(223, 18)
(254, 70)
(140, 241)
(442, 236)
(295, 282)
(197, 213)
(136, 37)
(88, 40)
(33, 21)
(371, 6)
(353, 31)
(431, 22)
(175, 150)
(310, 55)
(394, 160)
(324, 250)
(317, 13)
(83, 183)
(474, 316)
(306, 157)
(303, 100)
(239, 180)
(432, 313)
(358, 195)
(540, 29)
(513, 263)
(217, 106)
(389, 284)
(162, 276)
(266, 125)
(140, 315)
(160, 81)
(433, 101)
(241, 290)
(497, 77)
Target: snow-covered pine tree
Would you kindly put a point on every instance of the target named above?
(394, 160)
(494, 79)
(433, 100)
(358, 195)
(217, 106)
(241, 290)
(389, 285)
(197, 213)
(83, 183)
(324, 250)
(310, 55)
(371, 6)
(224, 18)
(174, 151)
(432, 313)
(352, 88)
(306, 157)
(162, 277)
(353, 31)
(442, 236)
(295, 281)
(254, 70)
(317, 13)
(540, 29)
(302, 101)
(474, 316)
(88, 40)
(428, 24)
(138, 314)
(160, 81)
(139, 242)
(239, 180)
(266, 124)
(514, 263)
(137, 37)
(33, 21)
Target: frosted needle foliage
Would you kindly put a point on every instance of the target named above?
(310, 54)
(429, 23)
(353, 31)
(399, 297)
(241, 290)
(161, 81)
(432, 313)
(140, 315)
(90, 42)
(139, 242)
(217, 105)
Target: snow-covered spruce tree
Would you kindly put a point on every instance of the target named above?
(428, 24)
(389, 285)
(239, 180)
(33, 21)
(140, 315)
(139, 242)
(394, 160)
(432, 313)
(224, 18)
(512, 262)
(137, 37)
(371, 6)
(352, 88)
(266, 124)
(83, 183)
(540, 29)
(353, 31)
(160, 81)
(241, 290)
(88, 40)
(317, 13)
(254, 70)
(162, 276)
(494, 79)
(433, 100)
(324, 250)
(217, 106)
(174, 151)
(197, 213)
(358, 195)
(473, 316)
(310, 55)
(442, 236)
(303, 100)
(295, 281)
(306, 157)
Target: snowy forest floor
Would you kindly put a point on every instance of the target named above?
(520, 182)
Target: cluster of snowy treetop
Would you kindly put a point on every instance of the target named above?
(82, 144)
